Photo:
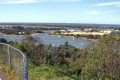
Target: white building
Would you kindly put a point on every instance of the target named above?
(87, 29)
(107, 31)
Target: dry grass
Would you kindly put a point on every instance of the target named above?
(9, 73)
(86, 33)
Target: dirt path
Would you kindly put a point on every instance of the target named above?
(3, 76)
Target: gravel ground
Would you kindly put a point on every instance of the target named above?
(3, 76)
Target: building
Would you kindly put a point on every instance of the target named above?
(7, 27)
(108, 31)
(87, 29)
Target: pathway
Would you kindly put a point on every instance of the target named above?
(3, 76)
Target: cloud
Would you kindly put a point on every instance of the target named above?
(101, 12)
(108, 4)
(32, 1)
(17, 1)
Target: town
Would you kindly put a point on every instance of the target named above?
(23, 30)
(92, 34)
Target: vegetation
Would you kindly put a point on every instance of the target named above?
(90, 35)
(103, 60)
(9, 73)
(2, 40)
(45, 57)
(95, 62)
(18, 30)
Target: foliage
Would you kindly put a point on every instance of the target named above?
(45, 72)
(96, 62)
(103, 60)
(48, 59)
(2, 40)
(8, 71)
(19, 30)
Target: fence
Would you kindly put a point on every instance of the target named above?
(15, 59)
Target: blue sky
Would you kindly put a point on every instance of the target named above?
(60, 11)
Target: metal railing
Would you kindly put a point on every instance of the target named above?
(16, 60)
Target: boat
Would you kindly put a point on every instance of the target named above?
(82, 43)
(73, 38)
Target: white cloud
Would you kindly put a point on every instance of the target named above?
(101, 12)
(108, 4)
(31, 1)
(18, 1)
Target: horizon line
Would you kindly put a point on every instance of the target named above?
(53, 23)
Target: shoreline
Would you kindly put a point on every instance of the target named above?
(94, 40)
(16, 35)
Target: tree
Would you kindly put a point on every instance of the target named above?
(66, 43)
(34, 49)
(103, 60)
(2, 40)
(48, 59)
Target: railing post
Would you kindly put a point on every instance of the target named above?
(9, 55)
(25, 68)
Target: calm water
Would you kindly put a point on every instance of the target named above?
(54, 40)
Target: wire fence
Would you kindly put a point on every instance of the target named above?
(15, 59)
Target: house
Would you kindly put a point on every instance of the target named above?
(108, 31)
(63, 30)
(7, 27)
(19, 33)
(72, 30)
(87, 29)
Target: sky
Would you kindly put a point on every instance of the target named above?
(60, 11)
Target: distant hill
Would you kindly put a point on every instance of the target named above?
(65, 24)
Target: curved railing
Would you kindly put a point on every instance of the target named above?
(16, 60)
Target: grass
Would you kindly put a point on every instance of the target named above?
(46, 73)
(86, 33)
(9, 72)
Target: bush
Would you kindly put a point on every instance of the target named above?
(103, 60)
(2, 40)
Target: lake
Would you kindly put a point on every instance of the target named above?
(54, 40)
